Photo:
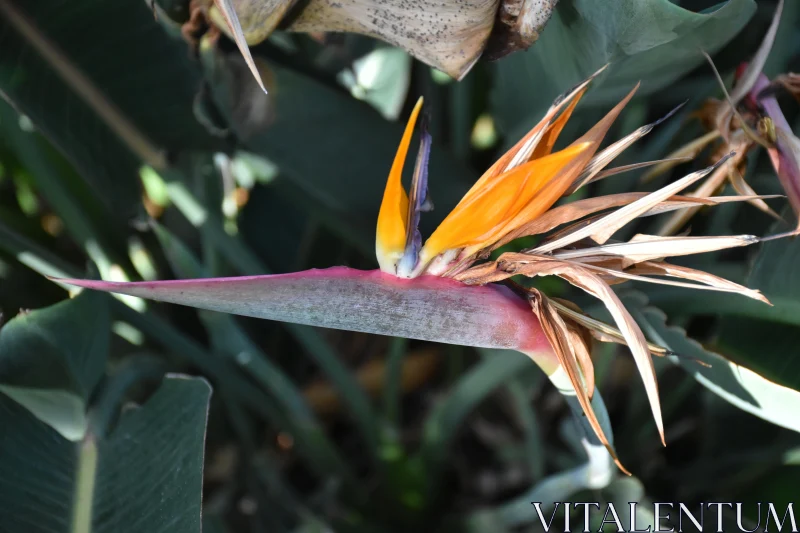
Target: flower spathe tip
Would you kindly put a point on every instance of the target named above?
(370, 301)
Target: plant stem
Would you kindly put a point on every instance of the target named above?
(84, 485)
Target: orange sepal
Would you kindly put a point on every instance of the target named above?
(390, 238)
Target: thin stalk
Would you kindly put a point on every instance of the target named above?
(392, 389)
(83, 86)
(82, 505)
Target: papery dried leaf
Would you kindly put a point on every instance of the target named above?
(638, 276)
(688, 202)
(601, 230)
(482, 274)
(661, 268)
(601, 160)
(565, 213)
(600, 330)
(580, 208)
(744, 189)
(232, 20)
(648, 247)
(714, 182)
(559, 335)
(689, 150)
(636, 166)
(591, 283)
(581, 348)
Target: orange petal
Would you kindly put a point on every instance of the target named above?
(390, 236)
(555, 188)
(547, 143)
(525, 147)
(476, 219)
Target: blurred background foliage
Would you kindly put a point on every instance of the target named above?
(128, 155)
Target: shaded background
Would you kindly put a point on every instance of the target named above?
(316, 430)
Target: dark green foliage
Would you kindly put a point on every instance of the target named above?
(219, 190)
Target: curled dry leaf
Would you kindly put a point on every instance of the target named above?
(519, 24)
(567, 346)
(600, 330)
(450, 35)
(602, 230)
(662, 268)
(687, 151)
(234, 27)
(647, 247)
(589, 282)
(590, 206)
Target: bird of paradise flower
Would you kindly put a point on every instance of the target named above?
(448, 290)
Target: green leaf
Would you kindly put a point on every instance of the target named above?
(145, 476)
(229, 380)
(652, 41)
(89, 224)
(339, 150)
(743, 340)
(51, 360)
(785, 309)
(774, 273)
(745, 323)
(381, 78)
(736, 384)
(133, 65)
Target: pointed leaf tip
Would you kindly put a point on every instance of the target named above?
(235, 27)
